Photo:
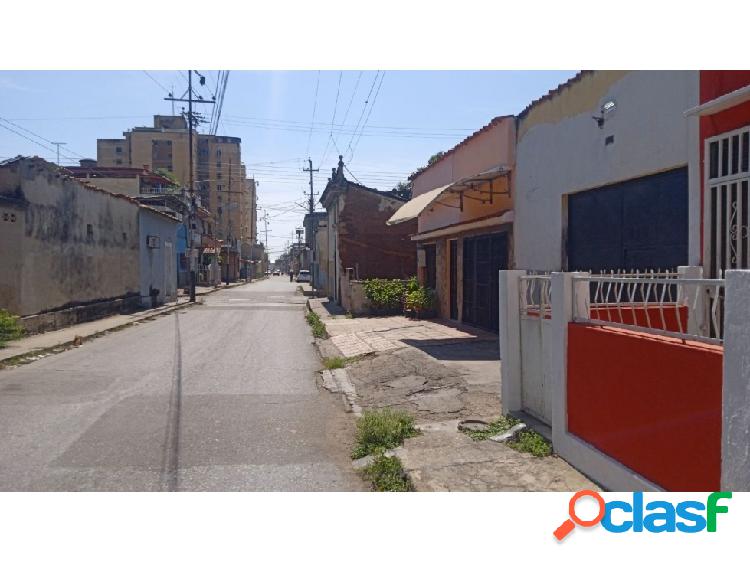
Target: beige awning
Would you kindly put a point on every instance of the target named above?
(411, 209)
(414, 208)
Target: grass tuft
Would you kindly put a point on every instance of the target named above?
(334, 362)
(378, 430)
(530, 441)
(317, 325)
(386, 474)
(525, 441)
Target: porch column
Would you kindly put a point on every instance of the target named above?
(510, 340)
(735, 446)
(563, 300)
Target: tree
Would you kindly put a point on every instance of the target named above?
(403, 190)
(435, 157)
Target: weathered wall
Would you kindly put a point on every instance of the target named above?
(367, 244)
(12, 215)
(79, 244)
(321, 256)
(561, 150)
(157, 265)
(489, 148)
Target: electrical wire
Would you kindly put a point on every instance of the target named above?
(315, 106)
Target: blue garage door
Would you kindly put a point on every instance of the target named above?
(639, 224)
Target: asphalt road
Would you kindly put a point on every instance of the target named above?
(219, 396)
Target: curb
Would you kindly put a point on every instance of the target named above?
(39, 353)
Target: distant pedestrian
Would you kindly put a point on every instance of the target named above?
(291, 276)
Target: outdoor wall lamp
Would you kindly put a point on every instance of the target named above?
(606, 108)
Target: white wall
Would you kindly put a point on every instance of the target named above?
(158, 268)
(565, 153)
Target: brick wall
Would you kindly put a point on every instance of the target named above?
(367, 244)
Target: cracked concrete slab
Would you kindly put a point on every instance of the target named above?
(440, 374)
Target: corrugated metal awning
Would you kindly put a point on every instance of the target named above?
(411, 209)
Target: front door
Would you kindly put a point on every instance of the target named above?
(484, 257)
(454, 279)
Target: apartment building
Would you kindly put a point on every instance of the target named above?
(218, 173)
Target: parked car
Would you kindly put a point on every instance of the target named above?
(304, 276)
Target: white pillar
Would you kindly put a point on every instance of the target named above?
(693, 297)
(510, 341)
(562, 314)
(735, 446)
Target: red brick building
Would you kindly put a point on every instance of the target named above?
(357, 237)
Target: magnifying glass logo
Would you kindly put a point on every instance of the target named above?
(569, 524)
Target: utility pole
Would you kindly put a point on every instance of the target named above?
(57, 144)
(191, 187)
(229, 220)
(311, 203)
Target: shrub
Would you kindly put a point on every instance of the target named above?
(378, 430)
(386, 295)
(10, 329)
(421, 299)
(386, 474)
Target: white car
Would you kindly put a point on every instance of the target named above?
(303, 276)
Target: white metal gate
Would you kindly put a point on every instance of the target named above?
(727, 177)
(535, 313)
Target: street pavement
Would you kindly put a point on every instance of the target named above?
(219, 396)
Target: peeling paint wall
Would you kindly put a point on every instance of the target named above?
(78, 245)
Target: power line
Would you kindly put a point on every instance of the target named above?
(48, 141)
(155, 81)
(335, 107)
(372, 105)
(364, 108)
(315, 106)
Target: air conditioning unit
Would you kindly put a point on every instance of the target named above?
(152, 241)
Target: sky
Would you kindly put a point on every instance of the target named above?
(386, 123)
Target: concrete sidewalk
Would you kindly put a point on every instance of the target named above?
(441, 373)
(57, 340)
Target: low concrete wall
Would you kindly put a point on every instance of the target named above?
(48, 321)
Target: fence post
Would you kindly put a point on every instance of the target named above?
(510, 340)
(696, 315)
(562, 313)
(735, 446)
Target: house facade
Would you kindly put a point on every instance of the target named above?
(67, 244)
(719, 137)
(463, 205)
(602, 174)
(158, 241)
(358, 243)
(74, 251)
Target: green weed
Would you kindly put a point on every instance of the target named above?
(378, 430)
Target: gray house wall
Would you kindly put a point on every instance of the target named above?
(158, 270)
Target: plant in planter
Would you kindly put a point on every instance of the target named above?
(420, 303)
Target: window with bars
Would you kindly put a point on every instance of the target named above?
(728, 179)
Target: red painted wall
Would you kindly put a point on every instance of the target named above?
(637, 316)
(715, 83)
(651, 402)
